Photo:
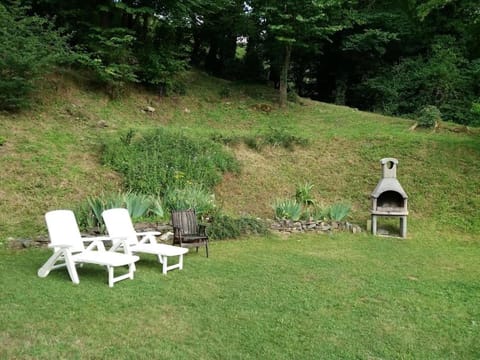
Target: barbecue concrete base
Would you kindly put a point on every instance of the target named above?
(403, 224)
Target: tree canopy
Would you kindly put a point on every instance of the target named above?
(394, 57)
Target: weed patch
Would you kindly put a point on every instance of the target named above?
(155, 160)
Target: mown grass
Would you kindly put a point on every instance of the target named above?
(305, 297)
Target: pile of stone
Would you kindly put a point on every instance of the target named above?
(314, 226)
(285, 226)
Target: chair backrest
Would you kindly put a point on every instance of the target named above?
(63, 229)
(186, 220)
(119, 224)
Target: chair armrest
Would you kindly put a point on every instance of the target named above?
(61, 246)
(100, 238)
(202, 229)
(148, 237)
(120, 242)
(95, 243)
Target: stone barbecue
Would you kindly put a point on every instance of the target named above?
(389, 198)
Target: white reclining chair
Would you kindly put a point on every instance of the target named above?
(69, 249)
(119, 225)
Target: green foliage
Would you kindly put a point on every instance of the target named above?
(160, 159)
(315, 213)
(338, 211)
(303, 194)
(158, 67)
(429, 116)
(441, 78)
(475, 110)
(192, 196)
(287, 209)
(225, 92)
(2, 140)
(110, 55)
(89, 213)
(281, 137)
(227, 227)
(275, 136)
(30, 47)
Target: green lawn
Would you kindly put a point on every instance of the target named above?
(303, 297)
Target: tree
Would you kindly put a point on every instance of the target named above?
(293, 24)
(29, 48)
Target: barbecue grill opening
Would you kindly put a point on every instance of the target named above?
(390, 200)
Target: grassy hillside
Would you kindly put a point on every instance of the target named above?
(50, 157)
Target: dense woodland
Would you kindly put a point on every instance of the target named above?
(395, 57)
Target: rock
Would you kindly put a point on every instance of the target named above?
(26, 243)
(168, 236)
(356, 229)
(102, 124)
(324, 226)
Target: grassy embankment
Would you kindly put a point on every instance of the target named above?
(341, 296)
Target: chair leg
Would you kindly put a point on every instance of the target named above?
(206, 247)
(72, 270)
(180, 262)
(49, 264)
(165, 265)
(110, 276)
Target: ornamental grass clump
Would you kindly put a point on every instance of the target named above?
(139, 206)
(338, 211)
(287, 209)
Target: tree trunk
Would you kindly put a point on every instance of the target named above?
(284, 75)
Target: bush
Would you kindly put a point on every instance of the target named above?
(443, 77)
(110, 56)
(429, 116)
(89, 214)
(29, 49)
(287, 209)
(338, 211)
(226, 227)
(160, 159)
(303, 194)
(190, 197)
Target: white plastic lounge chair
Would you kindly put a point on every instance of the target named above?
(119, 225)
(69, 249)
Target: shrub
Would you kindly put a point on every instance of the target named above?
(338, 211)
(475, 111)
(303, 194)
(29, 49)
(226, 227)
(192, 196)
(281, 137)
(160, 159)
(274, 137)
(315, 213)
(287, 209)
(443, 77)
(429, 116)
(110, 56)
(89, 214)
